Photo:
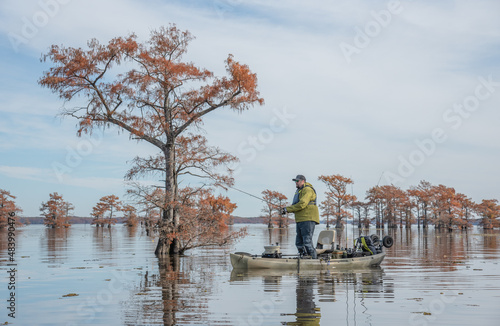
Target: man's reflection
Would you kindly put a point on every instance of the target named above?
(307, 312)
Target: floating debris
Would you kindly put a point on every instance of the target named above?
(416, 299)
(70, 295)
(422, 312)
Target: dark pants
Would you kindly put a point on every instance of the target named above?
(303, 241)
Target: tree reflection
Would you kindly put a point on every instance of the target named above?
(4, 238)
(103, 238)
(157, 296)
(490, 239)
(55, 243)
(279, 235)
(169, 282)
(175, 293)
(131, 231)
(436, 248)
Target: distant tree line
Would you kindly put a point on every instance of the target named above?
(205, 216)
(390, 206)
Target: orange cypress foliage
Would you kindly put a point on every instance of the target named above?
(489, 210)
(194, 157)
(275, 201)
(374, 198)
(467, 207)
(7, 208)
(340, 198)
(440, 205)
(150, 202)
(156, 98)
(362, 209)
(104, 209)
(406, 205)
(205, 219)
(446, 207)
(56, 211)
(423, 194)
(395, 202)
(130, 214)
(328, 208)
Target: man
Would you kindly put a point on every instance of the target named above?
(306, 215)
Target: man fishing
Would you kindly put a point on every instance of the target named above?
(306, 215)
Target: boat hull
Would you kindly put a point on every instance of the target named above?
(246, 261)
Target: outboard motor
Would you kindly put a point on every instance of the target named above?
(272, 251)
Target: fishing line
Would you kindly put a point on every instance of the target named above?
(353, 213)
(380, 178)
(249, 194)
(246, 193)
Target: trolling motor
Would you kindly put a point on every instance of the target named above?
(272, 251)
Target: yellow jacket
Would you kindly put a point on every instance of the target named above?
(306, 209)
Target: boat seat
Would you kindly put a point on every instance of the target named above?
(326, 239)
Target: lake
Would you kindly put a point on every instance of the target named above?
(98, 276)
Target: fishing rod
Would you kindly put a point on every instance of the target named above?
(353, 217)
(380, 178)
(257, 197)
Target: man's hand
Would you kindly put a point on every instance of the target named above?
(283, 211)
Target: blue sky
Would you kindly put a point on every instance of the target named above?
(406, 90)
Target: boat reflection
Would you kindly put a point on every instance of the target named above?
(325, 287)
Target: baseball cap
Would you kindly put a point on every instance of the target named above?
(299, 177)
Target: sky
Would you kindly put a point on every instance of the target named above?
(383, 92)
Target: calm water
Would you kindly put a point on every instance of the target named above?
(90, 276)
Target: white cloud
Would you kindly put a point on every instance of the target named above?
(17, 172)
(48, 176)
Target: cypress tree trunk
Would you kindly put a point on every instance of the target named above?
(170, 221)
